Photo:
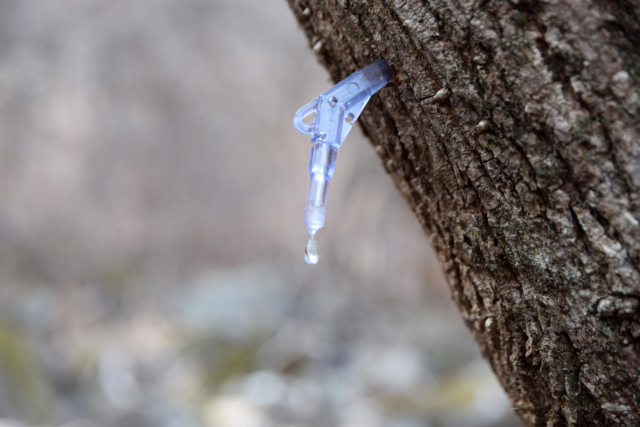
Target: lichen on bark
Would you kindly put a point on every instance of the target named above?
(512, 129)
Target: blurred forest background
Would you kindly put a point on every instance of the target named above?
(151, 238)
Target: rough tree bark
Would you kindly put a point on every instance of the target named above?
(512, 129)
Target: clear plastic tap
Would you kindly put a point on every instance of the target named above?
(334, 113)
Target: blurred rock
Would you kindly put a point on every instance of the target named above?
(265, 388)
(5, 422)
(230, 411)
(236, 304)
(362, 414)
(392, 368)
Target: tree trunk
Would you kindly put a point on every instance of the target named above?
(512, 129)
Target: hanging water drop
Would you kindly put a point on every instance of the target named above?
(311, 254)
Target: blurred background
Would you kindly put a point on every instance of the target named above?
(151, 238)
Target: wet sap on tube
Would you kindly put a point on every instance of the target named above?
(334, 114)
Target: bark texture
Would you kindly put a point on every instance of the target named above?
(512, 129)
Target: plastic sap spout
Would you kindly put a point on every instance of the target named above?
(334, 114)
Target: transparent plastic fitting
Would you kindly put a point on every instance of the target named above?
(334, 114)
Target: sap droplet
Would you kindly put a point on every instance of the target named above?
(311, 254)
